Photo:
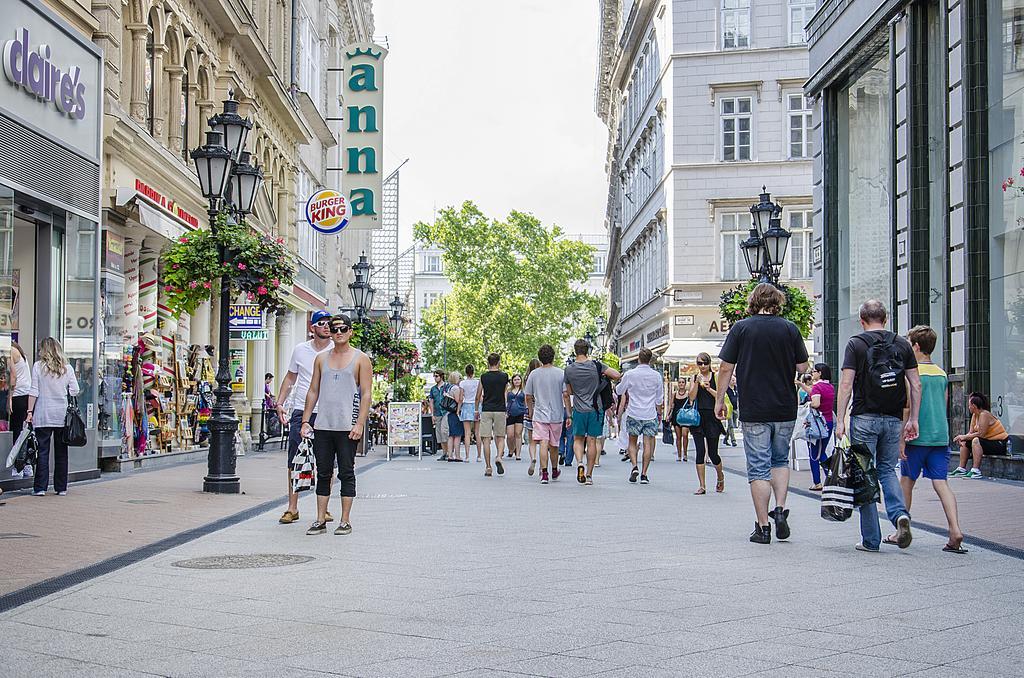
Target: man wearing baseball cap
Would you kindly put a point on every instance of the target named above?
(300, 371)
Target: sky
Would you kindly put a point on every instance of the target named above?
(493, 101)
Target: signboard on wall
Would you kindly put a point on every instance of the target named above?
(245, 317)
(362, 138)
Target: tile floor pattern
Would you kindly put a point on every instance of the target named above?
(451, 573)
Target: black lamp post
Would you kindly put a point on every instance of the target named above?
(361, 289)
(397, 321)
(765, 250)
(589, 338)
(229, 183)
(602, 334)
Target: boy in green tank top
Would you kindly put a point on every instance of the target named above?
(928, 454)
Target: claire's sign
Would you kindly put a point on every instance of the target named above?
(29, 66)
(362, 146)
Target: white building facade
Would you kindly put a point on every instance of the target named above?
(704, 104)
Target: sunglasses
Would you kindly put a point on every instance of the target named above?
(322, 323)
(340, 329)
(699, 362)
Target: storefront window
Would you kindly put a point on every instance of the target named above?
(1006, 263)
(79, 245)
(865, 234)
(938, 285)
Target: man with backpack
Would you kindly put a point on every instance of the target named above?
(878, 367)
(588, 395)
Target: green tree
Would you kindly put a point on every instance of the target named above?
(516, 284)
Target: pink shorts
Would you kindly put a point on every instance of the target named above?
(552, 433)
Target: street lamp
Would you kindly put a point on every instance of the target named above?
(602, 334)
(397, 321)
(589, 338)
(362, 291)
(765, 250)
(228, 182)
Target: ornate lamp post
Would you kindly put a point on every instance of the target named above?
(361, 289)
(397, 322)
(602, 334)
(764, 251)
(229, 183)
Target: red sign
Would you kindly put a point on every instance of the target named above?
(165, 203)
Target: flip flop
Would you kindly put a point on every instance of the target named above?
(701, 491)
(949, 548)
(891, 539)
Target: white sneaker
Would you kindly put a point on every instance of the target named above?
(974, 473)
(38, 494)
(62, 494)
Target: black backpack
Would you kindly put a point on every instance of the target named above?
(885, 367)
(603, 396)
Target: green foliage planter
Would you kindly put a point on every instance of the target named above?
(374, 337)
(259, 267)
(798, 308)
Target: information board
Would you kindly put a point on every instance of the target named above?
(404, 425)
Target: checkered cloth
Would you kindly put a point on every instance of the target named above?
(303, 466)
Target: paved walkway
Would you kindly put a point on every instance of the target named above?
(448, 572)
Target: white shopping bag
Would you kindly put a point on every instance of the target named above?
(17, 446)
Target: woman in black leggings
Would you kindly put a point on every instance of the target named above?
(703, 391)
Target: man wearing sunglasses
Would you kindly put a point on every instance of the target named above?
(300, 371)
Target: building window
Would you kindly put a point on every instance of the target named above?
(309, 45)
(429, 298)
(800, 12)
(799, 257)
(432, 263)
(800, 125)
(736, 122)
(149, 72)
(735, 228)
(735, 24)
(599, 263)
(308, 239)
(184, 116)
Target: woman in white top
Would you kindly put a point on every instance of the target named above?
(469, 411)
(53, 380)
(18, 387)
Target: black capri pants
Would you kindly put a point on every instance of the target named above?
(329, 446)
(706, 436)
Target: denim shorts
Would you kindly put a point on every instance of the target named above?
(766, 445)
(642, 427)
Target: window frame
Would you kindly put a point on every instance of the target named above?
(806, 115)
(806, 234)
(806, 9)
(737, 13)
(734, 235)
(736, 117)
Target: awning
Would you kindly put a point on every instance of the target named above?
(682, 350)
(154, 219)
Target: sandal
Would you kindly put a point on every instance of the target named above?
(950, 548)
(487, 473)
(701, 491)
(815, 488)
(720, 486)
(891, 539)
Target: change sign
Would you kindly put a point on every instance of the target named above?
(245, 317)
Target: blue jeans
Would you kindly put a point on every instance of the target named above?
(880, 434)
(766, 445)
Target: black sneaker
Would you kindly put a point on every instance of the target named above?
(501, 469)
(443, 457)
(761, 534)
(317, 528)
(644, 480)
(343, 528)
(779, 515)
(634, 474)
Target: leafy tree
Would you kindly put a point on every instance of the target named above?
(516, 284)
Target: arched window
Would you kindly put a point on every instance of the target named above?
(149, 74)
(184, 115)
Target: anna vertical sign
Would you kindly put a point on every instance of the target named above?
(362, 148)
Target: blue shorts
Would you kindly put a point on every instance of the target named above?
(587, 424)
(931, 462)
(295, 432)
(766, 445)
(468, 412)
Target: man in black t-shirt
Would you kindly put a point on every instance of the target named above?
(877, 367)
(494, 385)
(766, 352)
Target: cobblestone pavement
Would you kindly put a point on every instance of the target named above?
(448, 572)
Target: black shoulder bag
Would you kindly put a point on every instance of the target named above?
(73, 434)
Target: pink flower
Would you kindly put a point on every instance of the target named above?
(1010, 181)
(280, 241)
(275, 282)
(176, 267)
(206, 285)
(167, 288)
(261, 290)
(183, 239)
(1022, 171)
(193, 284)
(249, 296)
(1004, 187)
(241, 266)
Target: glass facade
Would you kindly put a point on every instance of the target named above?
(1006, 239)
(863, 156)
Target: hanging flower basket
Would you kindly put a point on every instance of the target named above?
(255, 265)
(798, 308)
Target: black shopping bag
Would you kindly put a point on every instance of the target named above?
(666, 433)
(837, 493)
(863, 475)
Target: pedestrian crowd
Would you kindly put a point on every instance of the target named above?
(889, 403)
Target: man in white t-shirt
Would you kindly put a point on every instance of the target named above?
(644, 410)
(290, 401)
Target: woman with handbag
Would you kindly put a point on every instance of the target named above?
(451, 403)
(515, 410)
(17, 389)
(706, 434)
(823, 402)
(53, 384)
(679, 396)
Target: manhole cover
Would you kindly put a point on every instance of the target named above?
(242, 561)
(144, 501)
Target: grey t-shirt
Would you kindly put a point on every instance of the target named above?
(545, 385)
(584, 379)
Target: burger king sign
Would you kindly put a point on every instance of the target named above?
(327, 211)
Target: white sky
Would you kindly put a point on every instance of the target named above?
(493, 101)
